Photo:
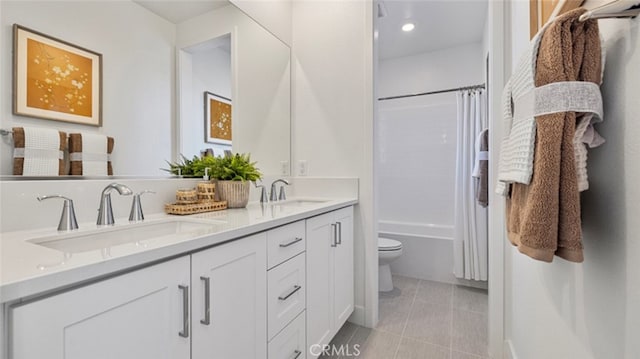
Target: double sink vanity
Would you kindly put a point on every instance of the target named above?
(266, 281)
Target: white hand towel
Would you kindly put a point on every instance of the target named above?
(94, 155)
(41, 152)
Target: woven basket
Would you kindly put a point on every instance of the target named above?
(206, 192)
(184, 209)
(236, 193)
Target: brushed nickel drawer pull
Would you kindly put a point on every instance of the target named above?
(290, 243)
(334, 240)
(291, 292)
(339, 232)
(185, 311)
(207, 301)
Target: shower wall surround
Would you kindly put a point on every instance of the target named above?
(416, 145)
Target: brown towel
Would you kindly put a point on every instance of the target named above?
(483, 181)
(75, 146)
(19, 142)
(543, 218)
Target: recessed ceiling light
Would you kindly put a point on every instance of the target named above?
(408, 27)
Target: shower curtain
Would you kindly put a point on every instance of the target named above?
(470, 234)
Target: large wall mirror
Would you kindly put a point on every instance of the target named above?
(162, 64)
(226, 61)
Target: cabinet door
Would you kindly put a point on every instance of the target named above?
(230, 281)
(133, 316)
(320, 242)
(344, 267)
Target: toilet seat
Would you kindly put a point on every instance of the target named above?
(388, 245)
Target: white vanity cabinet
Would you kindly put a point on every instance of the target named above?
(210, 304)
(330, 268)
(268, 295)
(139, 315)
(229, 300)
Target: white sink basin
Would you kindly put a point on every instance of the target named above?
(111, 237)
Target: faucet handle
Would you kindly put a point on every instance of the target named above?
(282, 196)
(68, 220)
(263, 192)
(136, 214)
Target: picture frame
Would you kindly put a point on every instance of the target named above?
(55, 80)
(217, 119)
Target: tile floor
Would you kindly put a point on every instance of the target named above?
(423, 320)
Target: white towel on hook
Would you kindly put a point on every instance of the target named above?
(41, 152)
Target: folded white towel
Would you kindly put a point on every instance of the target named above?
(41, 152)
(94, 155)
(480, 155)
(522, 102)
(518, 143)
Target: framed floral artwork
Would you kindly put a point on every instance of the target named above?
(55, 80)
(217, 119)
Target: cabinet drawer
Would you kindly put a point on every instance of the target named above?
(290, 343)
(285, 242)
(286, 293)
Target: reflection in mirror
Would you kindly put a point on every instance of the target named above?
(207, 121)
(260, 87)
(147, 48)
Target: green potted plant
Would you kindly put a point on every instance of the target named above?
(192, 168)
(233, 174)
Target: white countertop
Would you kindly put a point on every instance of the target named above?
(28, 269)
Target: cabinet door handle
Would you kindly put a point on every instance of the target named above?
(334, 239)
(339, 240)
(185, 311)
(207, 301)
(290, 293)
(296, 354)
(290, 243)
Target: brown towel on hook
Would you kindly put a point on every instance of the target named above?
(543, 218)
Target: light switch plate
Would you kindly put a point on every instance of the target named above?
(303, 168)
(284, 168)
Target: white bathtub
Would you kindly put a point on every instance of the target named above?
(427, 250)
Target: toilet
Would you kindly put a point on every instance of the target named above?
(388, 251)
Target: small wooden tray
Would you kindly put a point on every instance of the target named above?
(184, 209)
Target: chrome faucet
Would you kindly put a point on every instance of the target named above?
(68, 218)
(263, 192)
(136, 214)
(105, 212)
(282, 195)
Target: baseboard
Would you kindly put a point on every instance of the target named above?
(357, 317)
(509, 352)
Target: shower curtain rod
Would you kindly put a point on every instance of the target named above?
(480, 86)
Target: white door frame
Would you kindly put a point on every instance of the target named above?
(497, 76)
(498, 71)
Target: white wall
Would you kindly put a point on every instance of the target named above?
(436, 70)
(274, 15)
(590, 310)
(333, 119)
(138, 73)
(211, 71)
(416, 145)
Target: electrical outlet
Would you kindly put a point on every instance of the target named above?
(303, 168)
(284, 168)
